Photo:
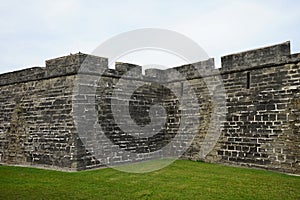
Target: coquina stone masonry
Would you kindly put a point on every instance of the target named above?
(41, 115)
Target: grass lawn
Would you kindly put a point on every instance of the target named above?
(181, 180)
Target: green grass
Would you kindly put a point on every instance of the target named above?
(181, 180)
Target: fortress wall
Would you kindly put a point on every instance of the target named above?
(262, 122)
(36, 125)
(261, 127)
(45, 111)
(36, 119)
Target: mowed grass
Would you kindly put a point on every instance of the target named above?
(181, 180)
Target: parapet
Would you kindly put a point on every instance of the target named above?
(24, 75)
(191, 71)
(62, 66)
(257, 57)
(90, 64)
(72, 63)
(128, 70)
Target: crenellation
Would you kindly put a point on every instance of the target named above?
(64, 61)
(261, 129)
(191, 71)
(257, 57)
(155, 75)
(22, 76)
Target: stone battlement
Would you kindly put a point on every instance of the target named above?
(69, 65)
(44, 109)
(262, 56)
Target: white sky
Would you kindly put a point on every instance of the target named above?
(34, 31)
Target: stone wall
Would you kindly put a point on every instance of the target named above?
(262, 124)
(46, 112)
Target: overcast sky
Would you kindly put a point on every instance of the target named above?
(34, 31)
